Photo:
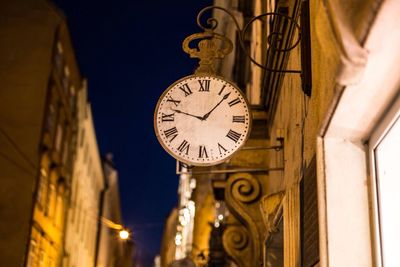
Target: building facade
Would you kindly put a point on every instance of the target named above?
(111, 250)
(40, 80)
(86, 185)
(315, 183)
(58, 200)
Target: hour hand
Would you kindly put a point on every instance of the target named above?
(182, 112)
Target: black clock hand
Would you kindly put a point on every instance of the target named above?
(208, 113)
(178, 111)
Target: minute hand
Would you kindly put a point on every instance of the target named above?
(178, 111)
(208, 113)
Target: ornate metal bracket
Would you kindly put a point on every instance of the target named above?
(208, 49)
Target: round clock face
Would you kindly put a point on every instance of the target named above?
(202, 120)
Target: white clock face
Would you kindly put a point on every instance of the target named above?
(202, 120)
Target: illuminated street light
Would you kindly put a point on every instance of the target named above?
(123, 234)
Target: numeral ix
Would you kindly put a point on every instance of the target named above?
(167, 117)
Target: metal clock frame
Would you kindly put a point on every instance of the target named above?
(205, 164)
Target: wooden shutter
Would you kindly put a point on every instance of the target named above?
(309, 217)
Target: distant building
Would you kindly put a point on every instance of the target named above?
(87, 184)
(168, 246)
(40, 80)
(111, 250)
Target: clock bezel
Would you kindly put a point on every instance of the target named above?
(186, 161)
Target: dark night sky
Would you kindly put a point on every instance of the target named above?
(130, 52)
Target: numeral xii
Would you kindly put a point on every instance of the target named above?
(204, 85)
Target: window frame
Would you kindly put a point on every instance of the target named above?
(378, 134)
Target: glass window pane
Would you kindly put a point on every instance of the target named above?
(387, 160)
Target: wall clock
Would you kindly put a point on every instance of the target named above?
(202, 120)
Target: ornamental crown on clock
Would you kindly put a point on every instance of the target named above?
(203, 119)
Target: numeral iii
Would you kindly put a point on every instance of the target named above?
(238, 119)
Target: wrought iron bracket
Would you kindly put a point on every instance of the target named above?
(189, 169)
(208, 50)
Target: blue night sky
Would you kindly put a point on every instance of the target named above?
(130, 52)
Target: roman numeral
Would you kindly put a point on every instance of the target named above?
(238, 119)
(203, 152)
(186, 89)
(222, 89)
(184, 146)
(220, 148)
(176, 102)
(234, 136)
(167, 117)
(173, 132)
(234, 102)
(204, 85)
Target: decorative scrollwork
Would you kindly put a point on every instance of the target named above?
(237, 245)
(245, 188)
(273, 39)
(242, 192)
(236, 237)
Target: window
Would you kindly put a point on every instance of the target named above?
(32, 254)
(59, 136)
(50, 119)
(274, 247)
(65, 152)
(50, 201)
(42, 188)
(384, 156)
(58, 57)
(41, 258)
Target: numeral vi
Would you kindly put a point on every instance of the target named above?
(203, 152)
